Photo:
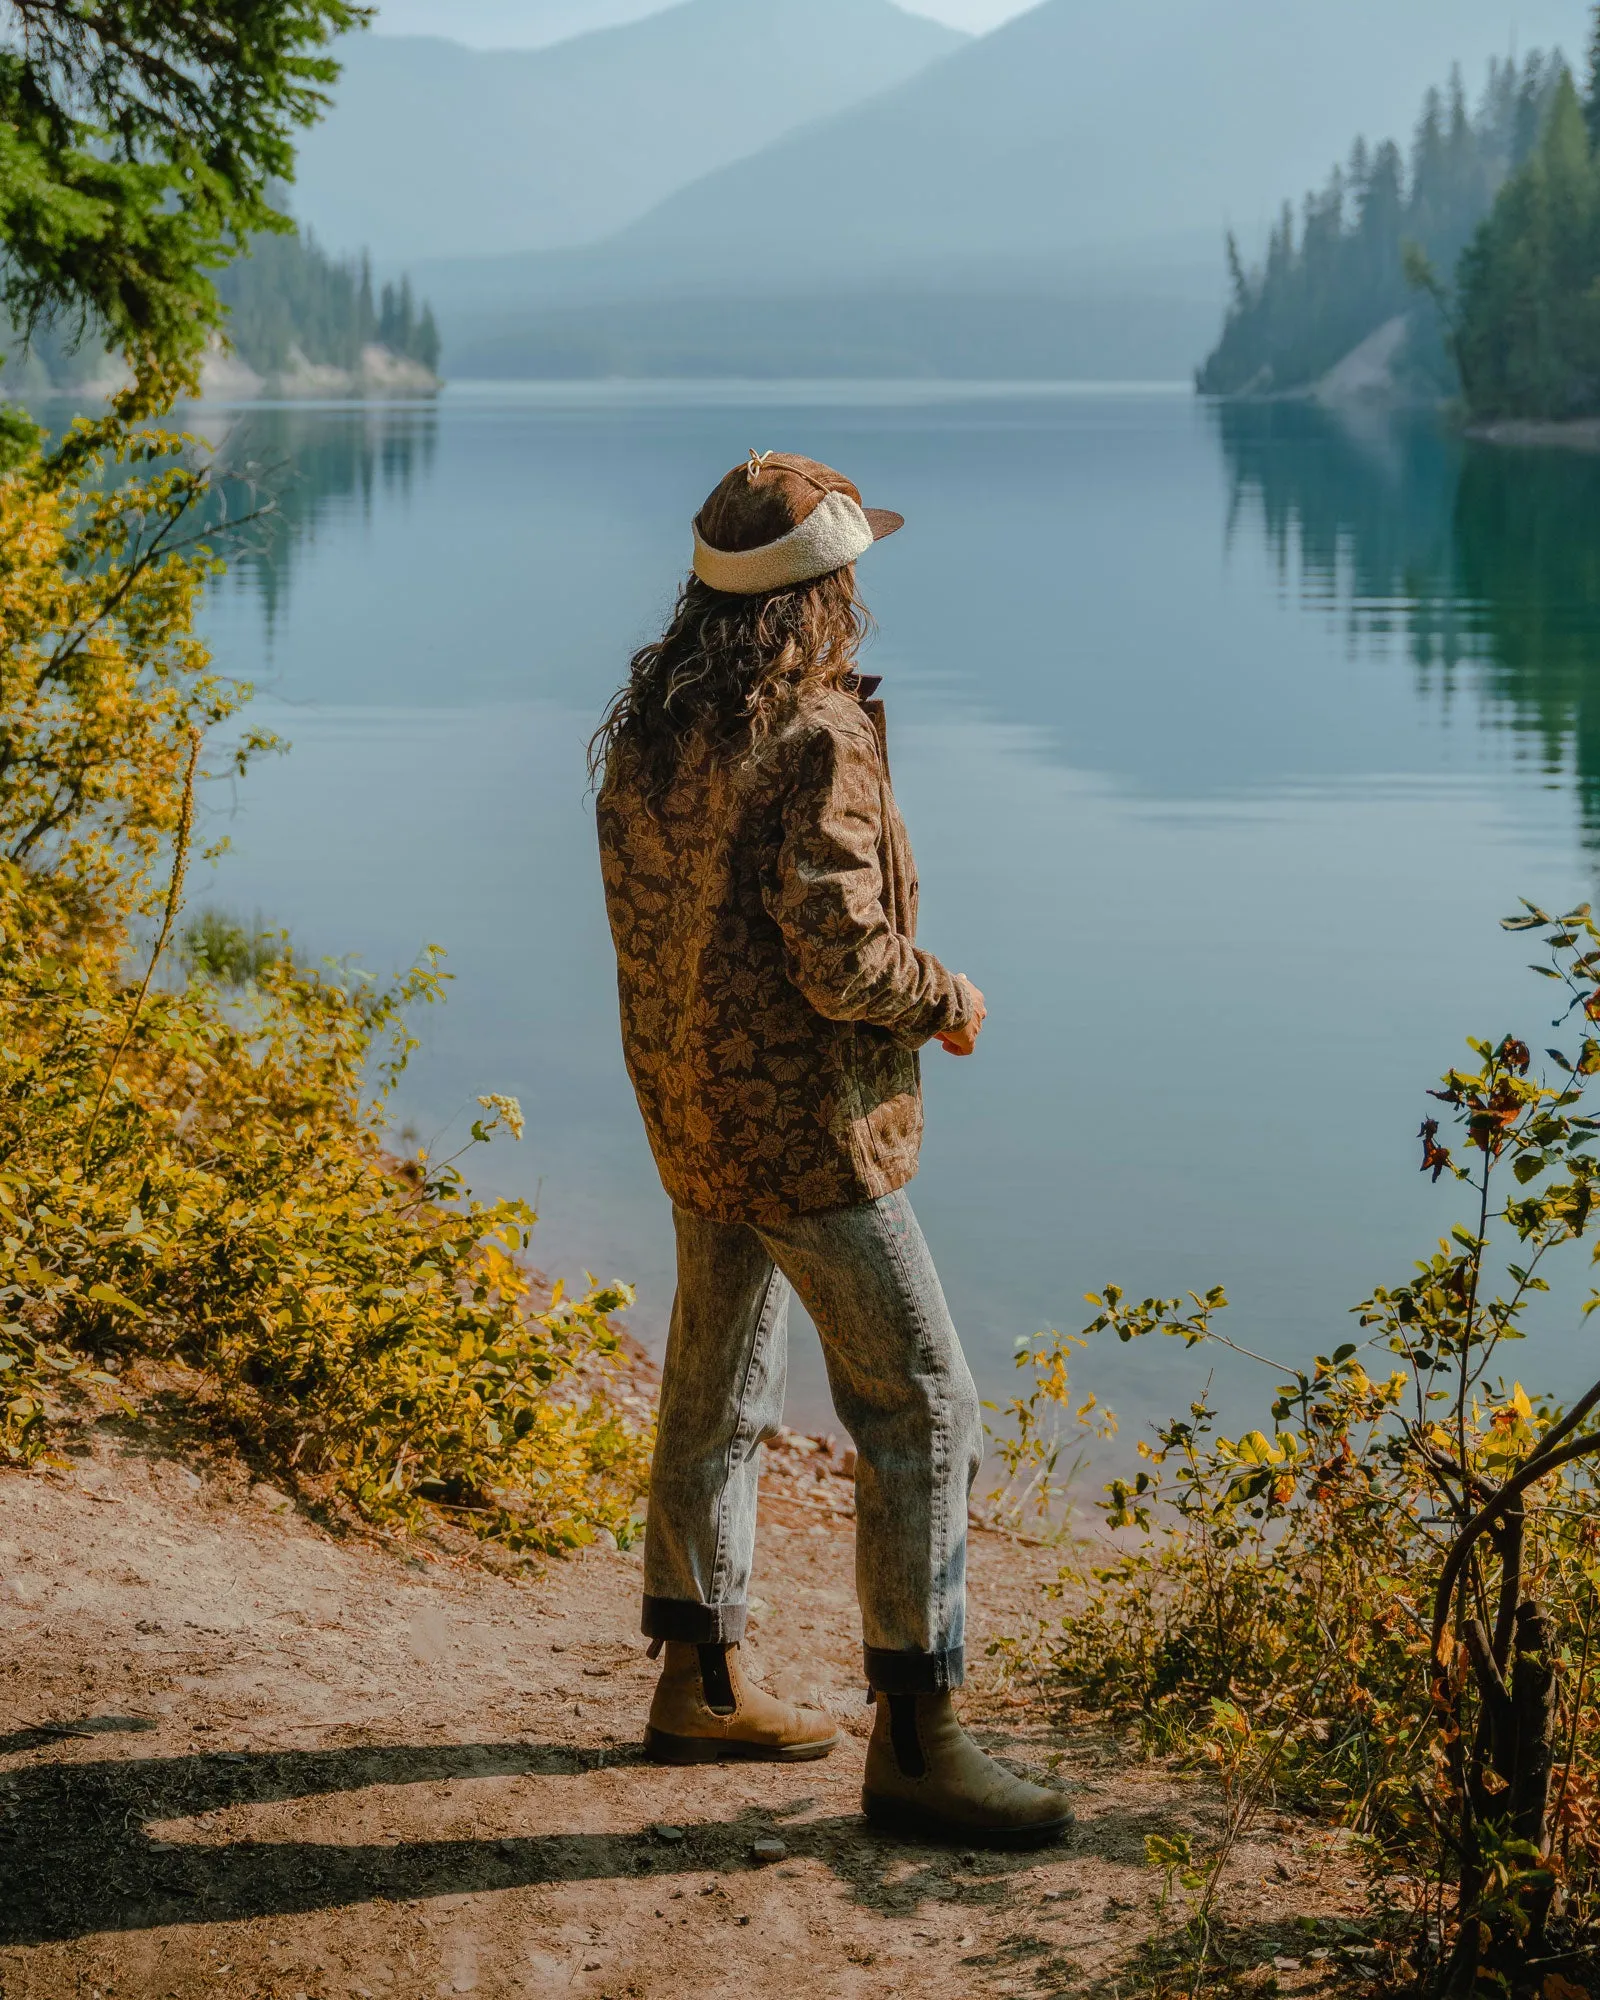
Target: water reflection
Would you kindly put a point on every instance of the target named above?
(1483, 559)
(1527, 556)
(300, 464)
(1181, 812)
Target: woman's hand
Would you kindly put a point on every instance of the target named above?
(962, 1041)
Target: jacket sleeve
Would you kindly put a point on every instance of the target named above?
(826, 897)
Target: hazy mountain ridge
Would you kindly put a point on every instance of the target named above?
(1056, 132)
(511, 24)
(529, 24)
(434, 149)
(1031, 165)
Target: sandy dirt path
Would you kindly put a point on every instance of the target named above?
(243, 1756)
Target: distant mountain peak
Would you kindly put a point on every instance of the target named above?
(433, 148)
(498, 26)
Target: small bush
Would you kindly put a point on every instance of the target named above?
(1386, 1601)
(184, 1174)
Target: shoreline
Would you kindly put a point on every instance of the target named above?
(1564, 433)
(382, 376)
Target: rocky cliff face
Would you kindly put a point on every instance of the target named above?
(91, 374)
(381, 373)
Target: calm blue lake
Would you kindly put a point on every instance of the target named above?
(1224, 737)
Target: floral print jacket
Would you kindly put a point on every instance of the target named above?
(773, 997)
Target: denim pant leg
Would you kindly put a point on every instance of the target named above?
(721, 1396)
(902, 1389)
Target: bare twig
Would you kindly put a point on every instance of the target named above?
(180, 863)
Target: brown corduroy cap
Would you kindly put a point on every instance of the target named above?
(779, 520)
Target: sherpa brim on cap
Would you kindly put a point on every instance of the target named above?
(834, 533)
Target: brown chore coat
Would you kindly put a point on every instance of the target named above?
(773, 998)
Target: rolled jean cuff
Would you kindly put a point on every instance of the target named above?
(915, 1673)
(695, 1623)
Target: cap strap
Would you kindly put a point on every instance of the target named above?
(760, 460)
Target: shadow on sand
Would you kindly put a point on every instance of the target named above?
(78, 1858)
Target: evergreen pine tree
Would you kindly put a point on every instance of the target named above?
(1591, 102)
(289, 297)
(427, 347)
(1318, 295)
(1237, 279)
(366, 317)
(1529, 334)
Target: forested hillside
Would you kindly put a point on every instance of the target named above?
(297, 318)
(1528, 288)
(290, 295)
(1337, 273)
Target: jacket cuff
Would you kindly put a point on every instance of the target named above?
(954, 1011)
(963, 1006)
(955, 1007)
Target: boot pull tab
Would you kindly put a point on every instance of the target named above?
(655, 1649)
(903, 1735)
(715, 1681)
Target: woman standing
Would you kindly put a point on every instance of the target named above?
(763, 902)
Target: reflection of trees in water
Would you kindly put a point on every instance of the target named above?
(300, 465)
(1527, 550)
(1482, 558)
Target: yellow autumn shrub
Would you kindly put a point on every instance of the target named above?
(202, 1174)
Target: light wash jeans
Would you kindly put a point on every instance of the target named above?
(901, 1388)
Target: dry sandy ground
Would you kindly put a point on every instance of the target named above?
(242, 1756)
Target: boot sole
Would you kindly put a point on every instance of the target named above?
(917, 1822)
(661, 1748)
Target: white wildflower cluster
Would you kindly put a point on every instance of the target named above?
(507, 1110)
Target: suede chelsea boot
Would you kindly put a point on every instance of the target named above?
(705, 1711)
(926, 1777)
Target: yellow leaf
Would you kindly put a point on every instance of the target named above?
(108, 1295)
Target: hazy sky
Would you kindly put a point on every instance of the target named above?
(507, 24)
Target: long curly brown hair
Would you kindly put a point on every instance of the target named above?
(722, 672)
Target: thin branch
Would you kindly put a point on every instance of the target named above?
(1543, 1462)
(180, 862)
